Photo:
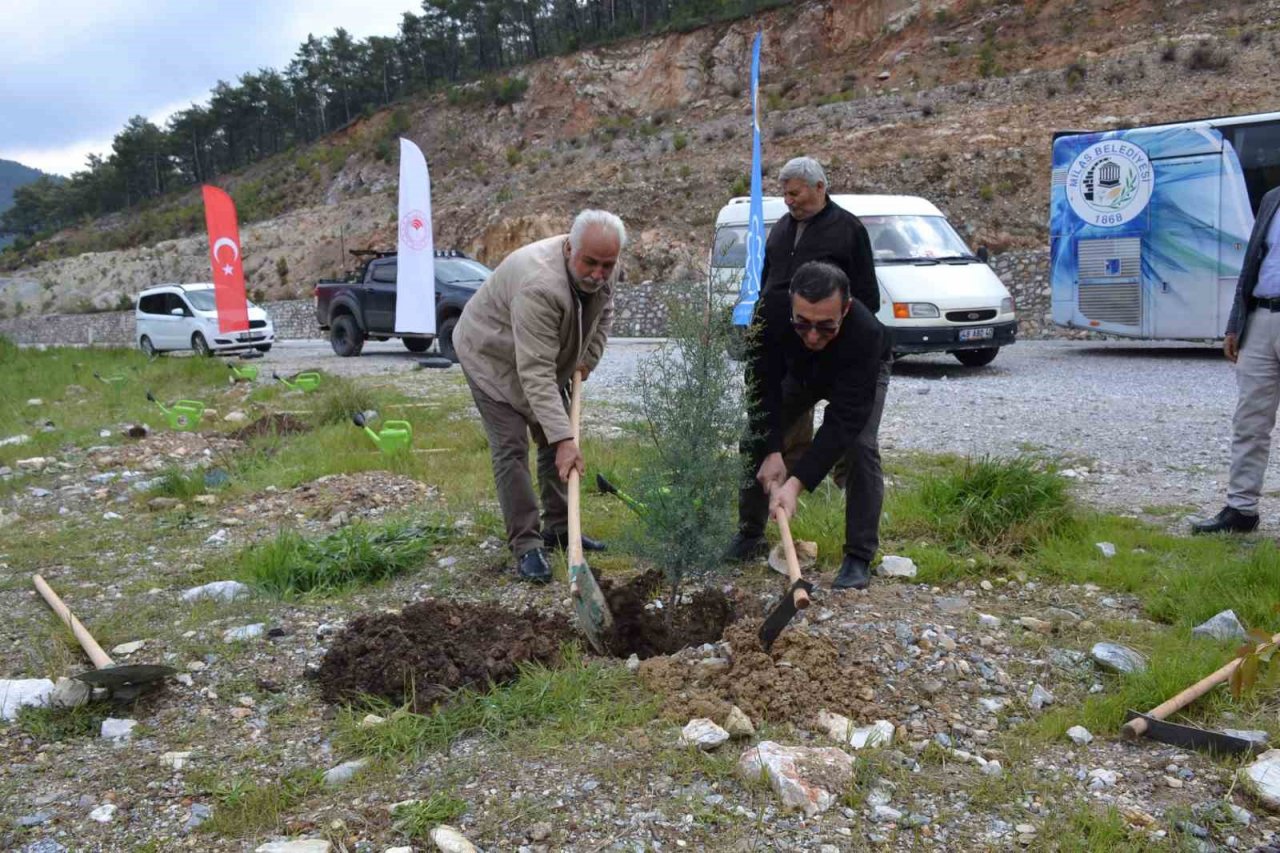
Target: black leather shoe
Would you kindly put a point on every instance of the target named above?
(743, 548)
(854, 574)
(534, 567)
(1229, 520)
(560, 541)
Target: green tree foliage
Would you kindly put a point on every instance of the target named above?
(333, 80)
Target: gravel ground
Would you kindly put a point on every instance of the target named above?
(1144, 425)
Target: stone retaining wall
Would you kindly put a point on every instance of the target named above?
(641, 310)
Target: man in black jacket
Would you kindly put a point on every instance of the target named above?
(815, 342)
(817, 229)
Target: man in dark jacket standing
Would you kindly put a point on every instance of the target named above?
(817, 229)
(814, 343)
(1253, 344)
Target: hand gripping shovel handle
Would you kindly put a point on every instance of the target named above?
(799, 595)
(87, 642)
(1137, 727)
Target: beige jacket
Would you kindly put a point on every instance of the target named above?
(525, 331)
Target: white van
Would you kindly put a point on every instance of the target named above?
(935, 295)
(173, 317)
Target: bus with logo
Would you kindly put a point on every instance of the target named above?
(1148, 225)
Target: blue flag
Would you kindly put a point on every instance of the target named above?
(755, 226)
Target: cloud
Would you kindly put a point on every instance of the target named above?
(72, 79)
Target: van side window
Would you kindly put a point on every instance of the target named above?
(173, 300)
(152, 304)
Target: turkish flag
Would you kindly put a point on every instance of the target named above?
(224, 255)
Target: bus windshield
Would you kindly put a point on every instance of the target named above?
(903, 239)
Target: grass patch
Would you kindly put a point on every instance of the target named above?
(246, 806)
(291, 564)
(575, 702)
(1086, 829)
(55, 724)
(417, 819)
(180, 484)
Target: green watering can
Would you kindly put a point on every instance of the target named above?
(183, 415)
(394, 435)
(308, 381)
(248, 373)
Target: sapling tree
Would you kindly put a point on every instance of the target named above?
(691, 418)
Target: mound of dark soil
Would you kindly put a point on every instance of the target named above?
(433, 648)
(275, 423)
(645, 632)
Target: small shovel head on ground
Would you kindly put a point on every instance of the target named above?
(1190, 737)
(127, 675)
(780, 617)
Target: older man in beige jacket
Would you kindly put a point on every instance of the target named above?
(545, 312)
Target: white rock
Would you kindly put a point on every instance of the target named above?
(70, 693)
(1040, 697)
(885, 814)
(398, 850)
(1100, 778)
(244, 632)
(633, 663)
(344, 772)
(235, 417)
(1118, 658)
(1244, 817)
(992, 704)
(837, 726)
(897, 567)
(738, 724)
(703, 733)
(18, 693)
(1257, 736)
(450, 840)
(218, 537)
(103, 813)
(786, 769)
(1224, 626)
(1080, 735)
(125, 649)
(35, 463)
(371, 720)
(993, 768)
(15, 439)
(1108, 550)
(175, 760)
(302, 845)
(986, 620)
(879, 733)
(118, 730)
(1262, 778)
(217, 591)
(35, 401)
(111, 516)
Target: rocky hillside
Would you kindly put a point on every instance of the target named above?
(952, 99)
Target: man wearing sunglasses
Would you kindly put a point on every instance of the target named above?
(817, 229)
(815, 342)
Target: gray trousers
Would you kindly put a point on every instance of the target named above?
(863, 479)
(1258, 378)
(509, 433)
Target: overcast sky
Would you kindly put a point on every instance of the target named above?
(72, 72)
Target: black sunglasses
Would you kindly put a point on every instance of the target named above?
(827, 328)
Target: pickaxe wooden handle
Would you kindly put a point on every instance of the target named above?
(100, 658)
(800, 596)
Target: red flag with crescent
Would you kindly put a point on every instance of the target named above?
(224, 256)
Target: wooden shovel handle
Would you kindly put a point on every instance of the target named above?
(1138, 727)
(575, 505)
(87, 642)
(801, 598)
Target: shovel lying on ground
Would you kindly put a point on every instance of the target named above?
(1153, 724)
(797, 595)
(125, 681)
(594, 616)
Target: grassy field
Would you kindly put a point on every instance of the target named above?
(963, 521)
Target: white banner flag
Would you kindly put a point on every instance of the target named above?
(415, 249)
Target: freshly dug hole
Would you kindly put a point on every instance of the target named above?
(433, 648)
(645, 633)
(276, 423)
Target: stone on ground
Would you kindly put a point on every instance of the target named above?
(1118, 658)
(451, 840)
(897, 567)
(1080, 735)
(343, 773)
(1262, 778)
(217, 590)
(104, 813)
(1223, 626)
(18, 693)
(704, 734)
(805, 778)
(303, 845)
(118, 730)
(738, 724)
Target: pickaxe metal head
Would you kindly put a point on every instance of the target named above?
(786, 610)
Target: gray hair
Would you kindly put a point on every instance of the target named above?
(806, 169)
(596, 219)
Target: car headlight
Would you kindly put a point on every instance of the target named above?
(1007, 306)
(914, 310)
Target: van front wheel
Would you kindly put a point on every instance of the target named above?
(976, 357)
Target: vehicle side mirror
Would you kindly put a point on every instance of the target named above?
(984, 254)
(177, 312)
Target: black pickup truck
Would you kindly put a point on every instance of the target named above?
(364, 305)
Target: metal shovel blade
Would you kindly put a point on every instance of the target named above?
(590, 608)
(127, 675)
(1194, 738)
(781, 616)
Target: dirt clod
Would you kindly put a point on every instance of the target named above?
(433, 648)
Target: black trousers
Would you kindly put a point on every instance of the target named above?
(863, 477)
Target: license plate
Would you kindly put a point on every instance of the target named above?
(980, 334)
(251, 336)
